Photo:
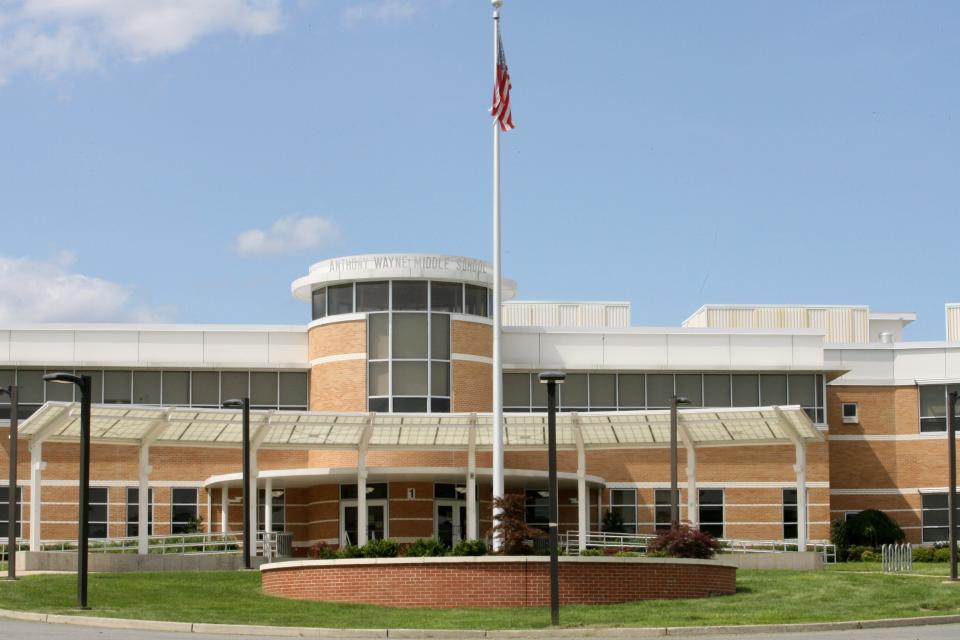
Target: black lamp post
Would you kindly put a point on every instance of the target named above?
(952, 490)
(244, 404)
(84, 383)
(12, 487)
(675, 400)
(552, 379)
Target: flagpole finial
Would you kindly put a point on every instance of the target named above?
(496, 3)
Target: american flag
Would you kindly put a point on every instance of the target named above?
(501, 91)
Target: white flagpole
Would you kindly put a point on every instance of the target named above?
(497, 298)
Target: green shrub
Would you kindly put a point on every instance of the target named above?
(426, 547)
(381, 548)
(592, 552)
(322, 552)
(923, 554)
(660, 553)
(612, 522)
(941, 555)
(349, 551)
(628, 554)
(869, 555)
(873, 528)
(839, 536)
(855, 552)
(470, 548)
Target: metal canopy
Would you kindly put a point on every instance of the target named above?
(127, 424)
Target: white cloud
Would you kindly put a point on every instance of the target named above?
(381, 11)
(56, 36)
(290, 234)
(50, 291)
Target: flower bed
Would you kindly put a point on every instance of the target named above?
(496, 581)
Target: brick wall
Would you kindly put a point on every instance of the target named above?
(500, 582)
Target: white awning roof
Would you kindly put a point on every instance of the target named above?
(127, 424)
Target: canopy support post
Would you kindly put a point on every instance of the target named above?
(268, 505)
(800, 468)
(224, 508)
(37, 466)
(693, 495)
(143, 501)
(362, 513)
(583, 519)
(472, 480)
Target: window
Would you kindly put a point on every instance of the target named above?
(538, 508)
(146, 387)
(373, 296)
(446, 296)
(573, 392)
(176, 388)
(339, 299)
(278, 511)
(449, 491)
(97, 512)
(630, 391)
(205, 389)
(849, 412)
(475, 302)
(624, 502)
(234, 384)
(319, 303)
(375, 491)
(116, 387)
(933, 406)
(133, 512)
(183, 511)
(790, 514)
(935, 514)
(711, 512)
(661, 500)
(409, 295)
(293, 390)
(4, 522)
(408, 368)
(263, 389)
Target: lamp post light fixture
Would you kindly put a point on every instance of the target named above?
(952, 490)
(83, 535)
(12, 519)
(675, 400)
(552, 379)
(244, 405)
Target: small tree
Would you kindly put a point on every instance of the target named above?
(512, 527)
(612, 522)
(873, 528)
(680, 541)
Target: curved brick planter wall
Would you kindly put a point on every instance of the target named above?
(494, 581)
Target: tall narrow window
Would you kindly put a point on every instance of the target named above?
(790, 512)
(183, 511)
(4, 523)
(661, 500)
(935, 517)
(624, 503)
(538, 508)
(711, 512)
(133, 512)
(98, 512)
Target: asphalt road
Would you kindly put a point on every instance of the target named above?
(15, 630)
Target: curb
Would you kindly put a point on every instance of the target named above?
(418, 634)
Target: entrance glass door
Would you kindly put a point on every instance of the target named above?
(376, 521)
(450, 521)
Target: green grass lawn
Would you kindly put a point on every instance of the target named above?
(234, 597)
(919, 568)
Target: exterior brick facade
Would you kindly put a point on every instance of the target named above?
(496, 582)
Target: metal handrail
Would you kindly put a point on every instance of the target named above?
(639, 541)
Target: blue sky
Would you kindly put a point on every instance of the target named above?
(667, 153)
